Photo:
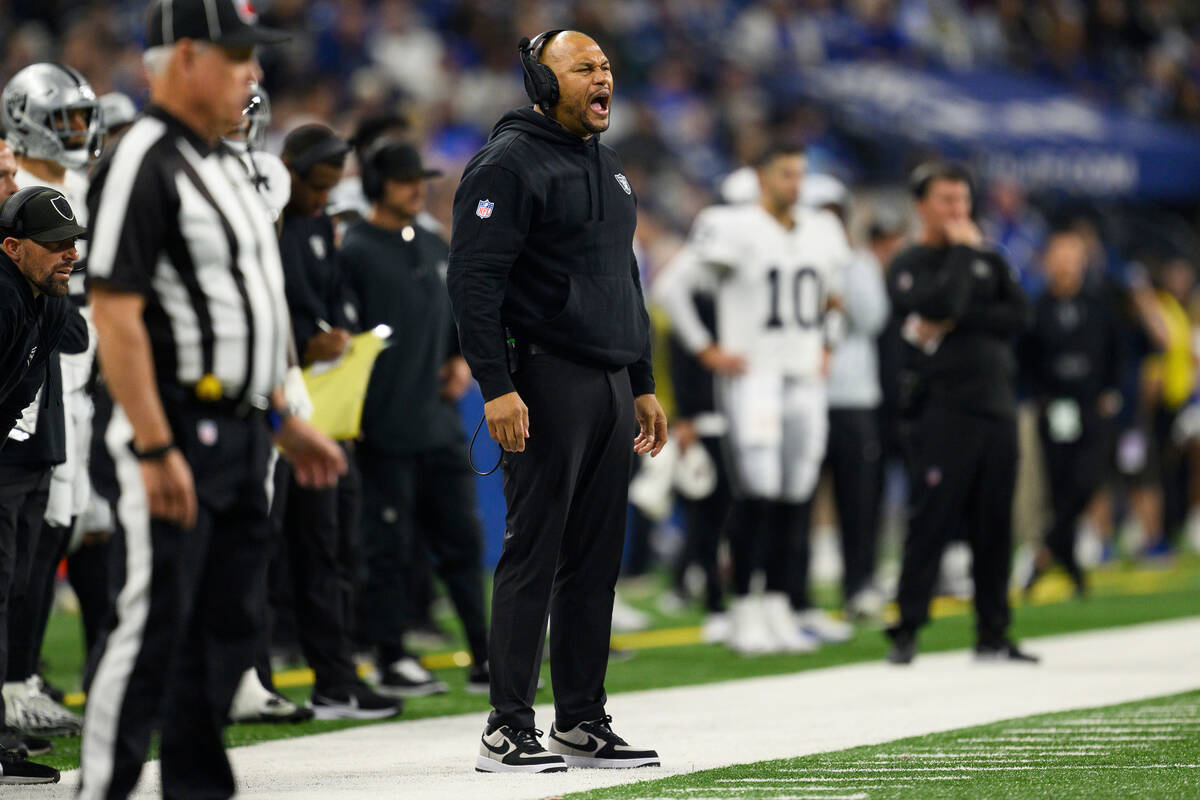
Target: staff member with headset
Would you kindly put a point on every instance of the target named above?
(37, 256)
(963, 309)
(320, 526)
(187, 291)
(550, 313)
(418, 491)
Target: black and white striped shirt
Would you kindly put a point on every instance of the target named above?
(178, 221)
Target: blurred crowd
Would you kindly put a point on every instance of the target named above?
(701, 87)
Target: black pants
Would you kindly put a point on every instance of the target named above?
(1075, 471)
(321, 548)
(87, 570)
(23, 494)
(565, 527)
(187, 613)
(426, 499)
(855, 461)
(31, 610)
(705, 520)
(963, 469)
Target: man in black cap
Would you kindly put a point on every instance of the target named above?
(416, 479)
(187, 292)
(320, 526)
(37, 257)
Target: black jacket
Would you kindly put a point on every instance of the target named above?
(400, 283)
(543, 245)
(974, 368)
(31, 328)
(312, 280)
(1075, 350)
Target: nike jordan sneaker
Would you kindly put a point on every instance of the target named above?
(593, 744)
(504, 749)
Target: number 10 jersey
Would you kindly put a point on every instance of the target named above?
(773, 284)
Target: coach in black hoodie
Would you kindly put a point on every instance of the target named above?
(545, 290)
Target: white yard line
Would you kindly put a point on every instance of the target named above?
(699, 727)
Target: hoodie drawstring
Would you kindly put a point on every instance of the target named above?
(599, 182)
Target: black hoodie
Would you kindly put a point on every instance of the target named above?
(543, 244)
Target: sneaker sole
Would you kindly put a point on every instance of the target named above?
(485, 764)
(415, 691)
(46, 733)
(480, 689)
(18, 780)
(345, 712)
(587, 762)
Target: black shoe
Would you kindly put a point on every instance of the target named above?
(479, 679)
(904, 645)
(37, 746)
(593, 744)
(357, 701)
(405, 677)
(503, 749)
(12, 743)
(1003, 650)
(18, 771)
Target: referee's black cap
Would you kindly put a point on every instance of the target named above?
(44, 217)
(232, 23)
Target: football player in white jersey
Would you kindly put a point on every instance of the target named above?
(776, 272)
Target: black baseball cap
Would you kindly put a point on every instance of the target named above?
(232, 23)
(44, 217)
(400, 161)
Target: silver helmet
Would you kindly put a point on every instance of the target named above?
(50, 112)
(256, 117)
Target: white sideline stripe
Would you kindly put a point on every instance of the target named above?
(107, 695)
(1094, 730)
(806, 787)
(952, 768)
(733, 722)
(1052, 739)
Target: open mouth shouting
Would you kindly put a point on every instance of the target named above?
(598, 102)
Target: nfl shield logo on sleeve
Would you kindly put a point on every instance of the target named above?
(484, 209)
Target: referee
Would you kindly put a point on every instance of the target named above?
(187, 291)
(546, 293)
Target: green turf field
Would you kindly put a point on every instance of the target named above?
(1123, 595)
(1148, 750)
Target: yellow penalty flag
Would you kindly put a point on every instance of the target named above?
(338, 388)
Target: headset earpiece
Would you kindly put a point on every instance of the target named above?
(541, 84)
(10, 225)
(372, 171)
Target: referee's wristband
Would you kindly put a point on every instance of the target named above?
(154, 453)
(277, 416)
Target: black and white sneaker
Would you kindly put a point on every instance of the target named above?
(1003, 651)
(405, 677)
(16, 771)
(593, 744)
(354, 702)
(37, 746)
(506, 750)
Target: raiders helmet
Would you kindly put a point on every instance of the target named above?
(37, 107)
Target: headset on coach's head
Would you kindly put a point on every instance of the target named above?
(541, 84)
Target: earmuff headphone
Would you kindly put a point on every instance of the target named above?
(540, 82)
(372, 172)
(10, 224)
(327, 150)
